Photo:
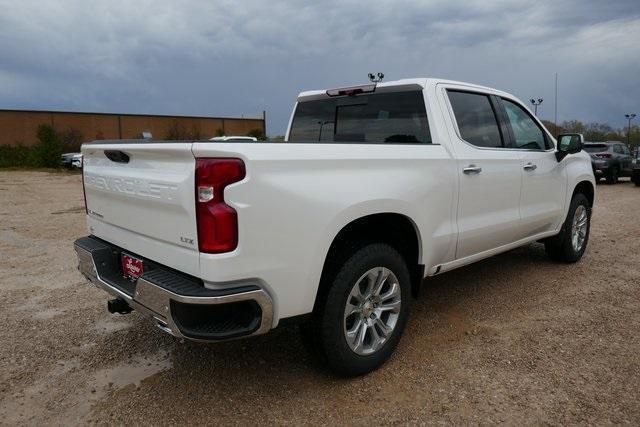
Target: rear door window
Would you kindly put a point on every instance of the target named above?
(595, 148)
(526, 132)
(476, 118)
(396, 117)
(618, 149)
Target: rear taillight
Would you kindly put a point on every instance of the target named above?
(604, 155)
(217, 221)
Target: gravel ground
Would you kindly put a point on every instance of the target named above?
(515, 338)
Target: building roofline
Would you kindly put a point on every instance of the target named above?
(4, 110)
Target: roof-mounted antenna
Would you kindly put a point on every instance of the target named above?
(376, 78)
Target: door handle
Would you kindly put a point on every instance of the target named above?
(472, 170)
(530, 167)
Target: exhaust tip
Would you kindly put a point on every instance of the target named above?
(118, 305)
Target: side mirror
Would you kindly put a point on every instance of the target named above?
(569, 143)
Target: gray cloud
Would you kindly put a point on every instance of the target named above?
(232, 58)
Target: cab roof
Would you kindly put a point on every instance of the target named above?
(398, 86)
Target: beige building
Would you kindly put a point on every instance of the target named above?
(20, 126)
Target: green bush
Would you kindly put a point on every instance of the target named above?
(17, 155)
(45, 154)
(178, 132)
(257, 133)
(49, 147)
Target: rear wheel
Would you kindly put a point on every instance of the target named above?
(635, 177)
(569, 245)
(612, 176)
(358, 325)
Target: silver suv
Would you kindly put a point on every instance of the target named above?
(610, 160)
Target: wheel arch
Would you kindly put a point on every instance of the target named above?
(587, 188)
(395, 229)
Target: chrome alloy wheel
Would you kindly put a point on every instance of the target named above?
(579, 227)
(372, 311)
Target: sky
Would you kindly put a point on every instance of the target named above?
(232, 58)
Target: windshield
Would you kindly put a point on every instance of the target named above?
(595, 148)
(376, 118)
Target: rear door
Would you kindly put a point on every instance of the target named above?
(141, 196)
(544, 178)
(489, 173)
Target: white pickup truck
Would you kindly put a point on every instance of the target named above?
(374, 188)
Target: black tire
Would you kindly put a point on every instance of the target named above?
(635, 177)
(613, 175)
(560, 247)
(325, 331)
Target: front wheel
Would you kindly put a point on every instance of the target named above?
(358, 325)
(569, 245)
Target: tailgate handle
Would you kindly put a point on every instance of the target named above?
(117, 156)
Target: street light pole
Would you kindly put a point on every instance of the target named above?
(629, 117)
(535, 104)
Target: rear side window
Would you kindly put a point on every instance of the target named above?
(476, 119)
(526, 133)
(595, 148)
(618, 149)
(397, 117)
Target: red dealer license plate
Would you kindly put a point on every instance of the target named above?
(131, 266)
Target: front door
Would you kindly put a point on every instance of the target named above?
(543, 179)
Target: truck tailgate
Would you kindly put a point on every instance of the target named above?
(141, 196)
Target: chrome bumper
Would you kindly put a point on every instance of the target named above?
(155, 301)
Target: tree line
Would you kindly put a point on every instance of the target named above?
(53, 142)
(595, 131)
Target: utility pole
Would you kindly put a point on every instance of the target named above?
(629, 117)
(264, 122)
(555, 110)
(535, 104)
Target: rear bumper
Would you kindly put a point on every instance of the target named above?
(179, 304)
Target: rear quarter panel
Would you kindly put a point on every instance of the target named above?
(296, 198)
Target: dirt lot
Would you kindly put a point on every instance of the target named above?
(515, 338)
